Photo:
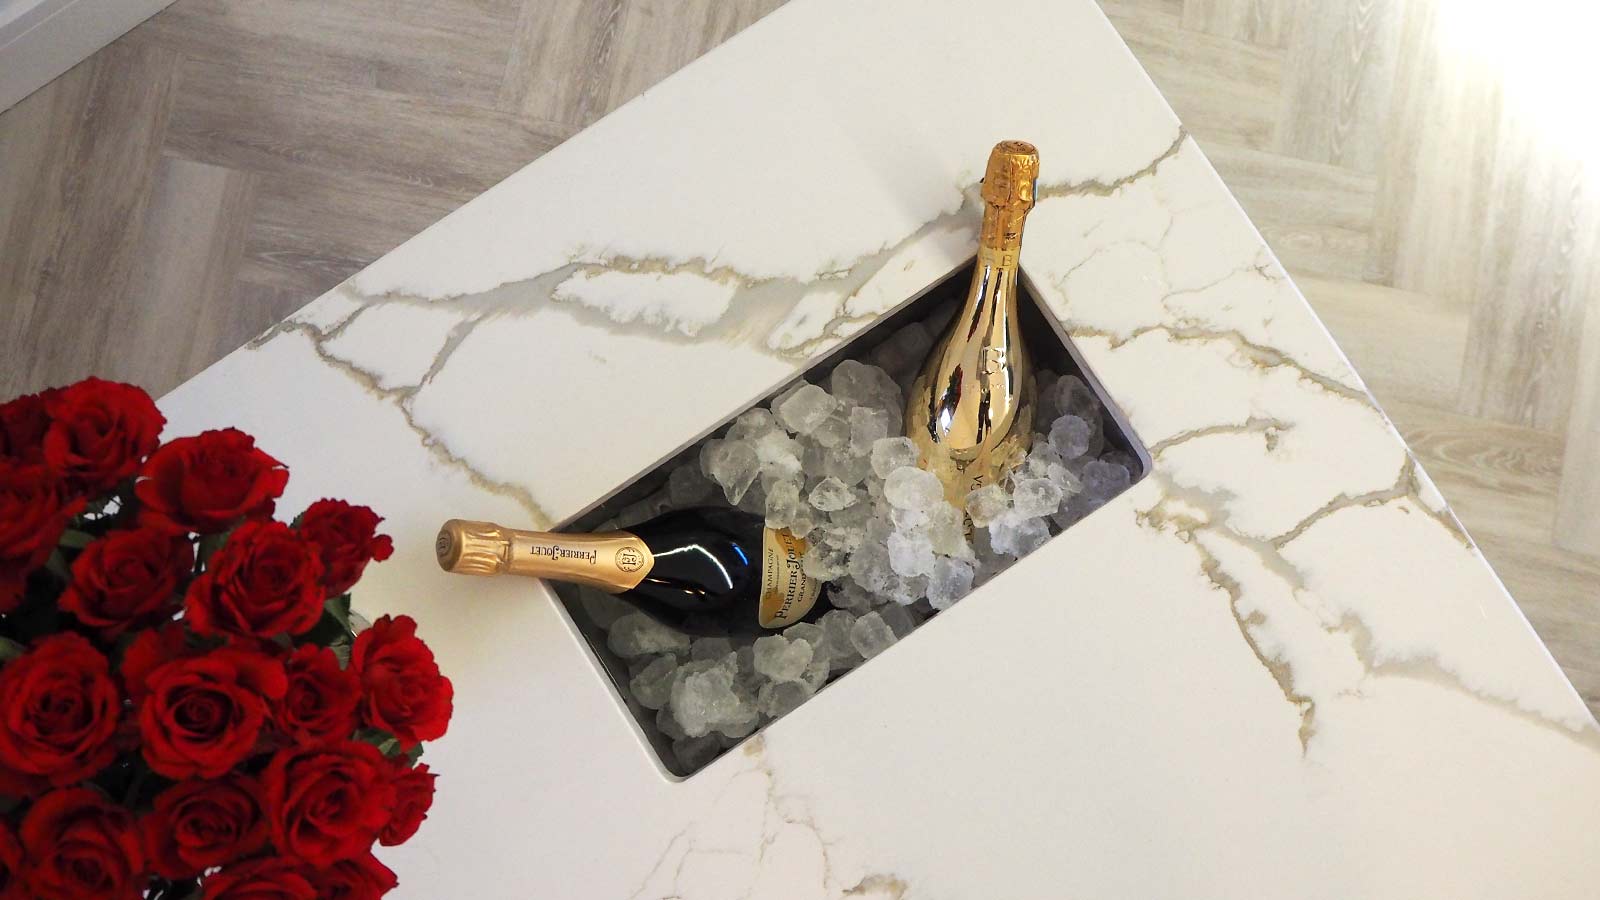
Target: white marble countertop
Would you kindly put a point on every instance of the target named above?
(1276, 667)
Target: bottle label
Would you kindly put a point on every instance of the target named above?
(787, 592)
(614, 561)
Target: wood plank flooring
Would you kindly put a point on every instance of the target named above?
(229, 160)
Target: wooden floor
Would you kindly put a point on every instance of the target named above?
(228, 160)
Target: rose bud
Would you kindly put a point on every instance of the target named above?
(265, 580)
(202, 715)
(269, 878)
(327, 803)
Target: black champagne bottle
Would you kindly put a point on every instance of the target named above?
(708, 570)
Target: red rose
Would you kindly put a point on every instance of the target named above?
(197, 825)
(99, 432)
(149, 651)
(34, 509)
(327, 803)
(208, 482)
(362, 878)
(202, 715)
(23, 422)
(266, 580)
(403, 692)
(320, 703)
(11, 874)
(58, 711)
(127, 578)
(79, 845)
(271, 878)
(347, 539)
(413, 797)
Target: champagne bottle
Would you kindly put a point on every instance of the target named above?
(707, 571)
(970, 409)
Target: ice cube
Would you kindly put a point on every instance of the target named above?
(910, 554)
(905, 591)
(636, 634)
(783, 504)
(744, 719)
(834, 645)
(909, 487)
(1036, 497)
(832, 495)
(987, 503)
(1070, 435)
(781, 659)
(732, 465)
(694, 753)
(752, 423)
(904, 350)
(816, 674)
(850, 595)
(687, 485)
(1062, 477)
(869, 567)
(1017, 535)
(855, 383)
(809, 632)
(846, 466)
(651, 686)
(1070, 396)
(946, 529)
(834, 432)
(602, 609)
(889, 454)
(668, 723)
(704, 699)
(778, 454)
(712, 648)
(949, 581)
(1104, 480)
(871, 635)
(824, 563)
(900, 619)
(1041, 457)
(908, 520)
(867, 426)
(754, 500)
(805, 519)
(781, 698)
(805, 409)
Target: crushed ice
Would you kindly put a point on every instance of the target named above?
(827, 462)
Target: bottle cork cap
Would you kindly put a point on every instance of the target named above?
(471, 548)
(1011, 174)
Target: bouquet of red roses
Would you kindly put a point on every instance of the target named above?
(186, 709)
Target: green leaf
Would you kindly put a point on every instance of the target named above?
(414, 754)
(10, 649)
(209, 544)
(339, 608)
(75, 539)
(57, 565)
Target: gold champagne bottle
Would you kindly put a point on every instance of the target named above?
(970, 410)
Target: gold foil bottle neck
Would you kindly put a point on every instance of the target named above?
(1009, 183)
(472, 548)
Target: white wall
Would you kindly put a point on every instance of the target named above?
(40, 39)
